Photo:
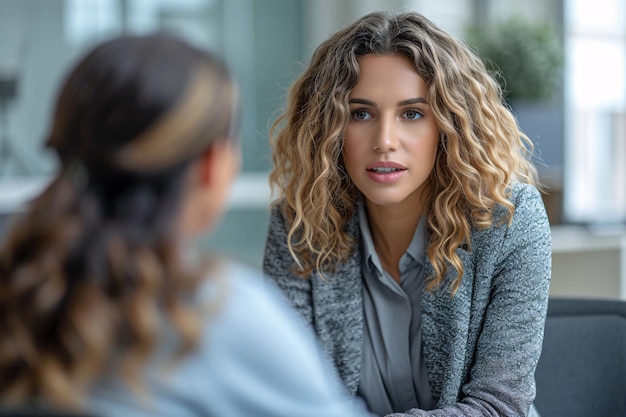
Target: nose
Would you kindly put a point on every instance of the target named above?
(386, 139)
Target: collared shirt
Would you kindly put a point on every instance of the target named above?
(393, 375)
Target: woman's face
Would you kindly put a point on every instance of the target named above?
(391, 141)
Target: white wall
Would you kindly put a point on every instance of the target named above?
(39, 56)
(324, 17)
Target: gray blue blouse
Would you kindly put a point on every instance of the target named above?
(393, 373)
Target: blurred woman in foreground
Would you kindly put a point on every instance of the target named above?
(103, 305)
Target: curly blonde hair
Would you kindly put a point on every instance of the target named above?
(92, 272)
(482, 149)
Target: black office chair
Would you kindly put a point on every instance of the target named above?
(582, 370)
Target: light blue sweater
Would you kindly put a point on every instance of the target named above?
(480, 346)
(253, 360)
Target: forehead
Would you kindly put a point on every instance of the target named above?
(389, 74)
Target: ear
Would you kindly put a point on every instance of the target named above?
(216, 161)
(205, 163)
(210, 181)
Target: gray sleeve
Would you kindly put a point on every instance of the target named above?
(501, 379)
(278, 265)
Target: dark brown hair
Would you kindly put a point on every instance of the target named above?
(92, 269)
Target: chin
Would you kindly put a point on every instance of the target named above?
(392, 198)
(383, 201)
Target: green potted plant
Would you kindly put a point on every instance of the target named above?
(526, 57)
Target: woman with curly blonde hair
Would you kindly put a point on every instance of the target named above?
(102, 306)
(409, 231)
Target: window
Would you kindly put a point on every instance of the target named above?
(595, 109)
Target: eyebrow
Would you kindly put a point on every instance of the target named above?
(412, 101)
(400, 103)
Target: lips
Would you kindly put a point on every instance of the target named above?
(385, 171)
(385, 167)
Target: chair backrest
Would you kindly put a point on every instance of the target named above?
(582, 370)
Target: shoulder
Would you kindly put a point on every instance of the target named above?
(527, 207)
(528, 225)
(526, 201)
(253, 358)
(259, 352)
(246, 297)
(529, 215)
(279, 226)
(526, 196)
(249, 305)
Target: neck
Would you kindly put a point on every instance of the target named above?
(392, 230)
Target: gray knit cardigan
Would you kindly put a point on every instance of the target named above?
(480, 346)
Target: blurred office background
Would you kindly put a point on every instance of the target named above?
(576, 118)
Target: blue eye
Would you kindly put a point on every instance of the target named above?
(412, 114)
(361, 115)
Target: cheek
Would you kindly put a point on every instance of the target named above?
(432, 151)
(429, 158)
(429, 146)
